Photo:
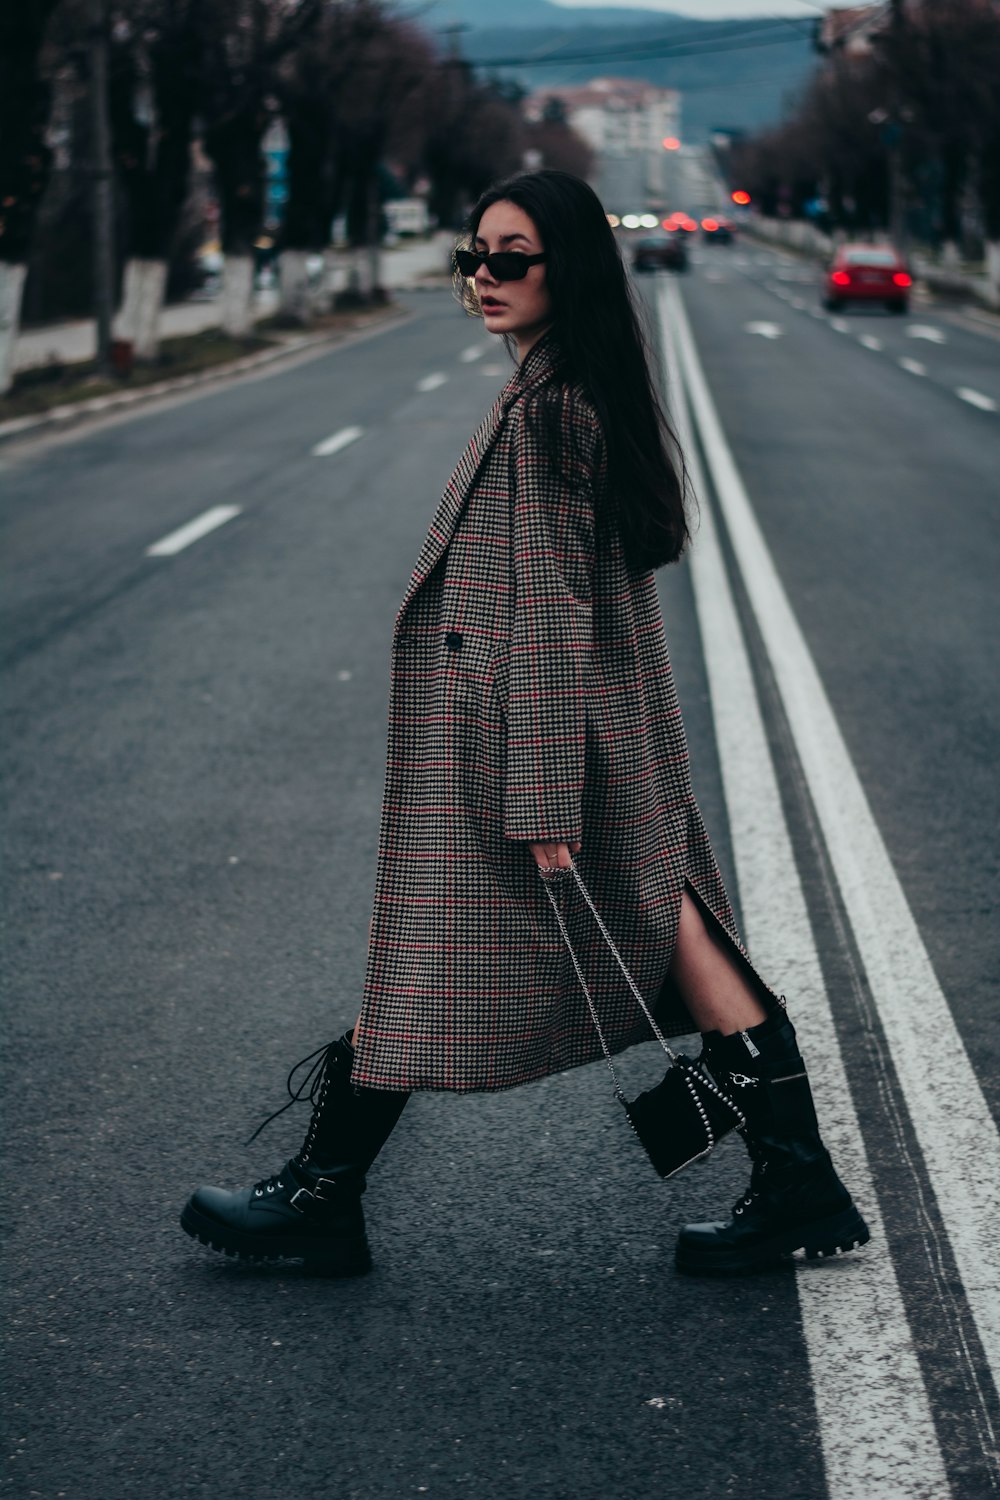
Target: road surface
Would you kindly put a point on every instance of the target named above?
(194, 757)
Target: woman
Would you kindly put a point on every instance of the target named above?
(533, 718)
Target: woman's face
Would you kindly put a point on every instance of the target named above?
(522, 309)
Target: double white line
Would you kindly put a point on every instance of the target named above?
(874, 1415)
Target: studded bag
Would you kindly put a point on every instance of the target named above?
(682, 1117)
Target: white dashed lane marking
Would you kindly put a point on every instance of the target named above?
(926, 331)
(431, 382)
(976, 398)
(870, 341)
(913, 365)
(336, 441)
(475, 351)
(176, 541)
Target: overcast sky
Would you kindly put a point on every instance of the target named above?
(714, 10)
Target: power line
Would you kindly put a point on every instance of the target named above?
(749, 35)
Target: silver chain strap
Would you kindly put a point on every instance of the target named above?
(548, 882)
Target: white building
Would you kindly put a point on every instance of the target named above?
(850, 29)
(616, 116)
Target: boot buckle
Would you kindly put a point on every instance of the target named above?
(307, 1198)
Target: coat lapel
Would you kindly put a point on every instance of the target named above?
(454, 497)
(533, 372)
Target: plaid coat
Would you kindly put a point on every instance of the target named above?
(531, 699)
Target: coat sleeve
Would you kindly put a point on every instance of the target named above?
(552, 481)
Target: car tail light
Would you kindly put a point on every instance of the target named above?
(710, 224)
(901, 278)
(841, 278)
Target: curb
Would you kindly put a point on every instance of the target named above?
(65, 416)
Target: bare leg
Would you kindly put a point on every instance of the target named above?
(710, 980)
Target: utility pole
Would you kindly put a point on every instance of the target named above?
(894, 131)
(102, 205)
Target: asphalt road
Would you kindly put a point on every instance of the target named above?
(194, 763)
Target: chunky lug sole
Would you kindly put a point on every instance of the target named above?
(346, 1256)
(838, 1232)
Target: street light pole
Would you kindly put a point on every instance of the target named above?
(102, 205)
(897, 204)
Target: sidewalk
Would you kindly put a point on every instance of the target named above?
(69, 343)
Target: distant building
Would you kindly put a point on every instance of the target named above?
(615, 116)
(851, 29)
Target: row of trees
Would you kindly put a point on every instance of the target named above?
(900, 130)
(356, 84)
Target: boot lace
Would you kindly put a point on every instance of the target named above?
(310, 1088)
(757, 1171)
(268, 1184)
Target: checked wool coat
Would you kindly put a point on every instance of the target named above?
(531, 699)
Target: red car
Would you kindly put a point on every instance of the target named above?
(868, 273)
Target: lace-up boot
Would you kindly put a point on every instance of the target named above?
(795, 1200)
(310, 1210)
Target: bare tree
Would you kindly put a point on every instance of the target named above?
(25, 156)
(243, 43)
(558, 143)
(907, 133)
(349, 99)
(154, 97)
(382, 102)
(476, 134)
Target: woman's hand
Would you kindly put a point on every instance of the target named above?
(553, 856)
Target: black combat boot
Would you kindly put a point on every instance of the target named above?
(311, 1209)
(795, 1200)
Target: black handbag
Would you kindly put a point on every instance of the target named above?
(681, 1118)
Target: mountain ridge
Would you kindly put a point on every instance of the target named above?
(469, 14)
(737, 74)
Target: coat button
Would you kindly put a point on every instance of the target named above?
(453, 640)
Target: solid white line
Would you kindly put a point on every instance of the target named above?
(870, 341)
(431, 382)
(874, 1418)
(338, 440)
(913, 365)
(474, 351)
(177, 540)
(958, 1139)
(976, 398)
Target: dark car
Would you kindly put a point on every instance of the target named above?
(666, 252)
(717, 231)
(868, 273)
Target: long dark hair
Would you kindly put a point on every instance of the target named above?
(604, 349)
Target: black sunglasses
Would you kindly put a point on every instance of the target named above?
(506, 265)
